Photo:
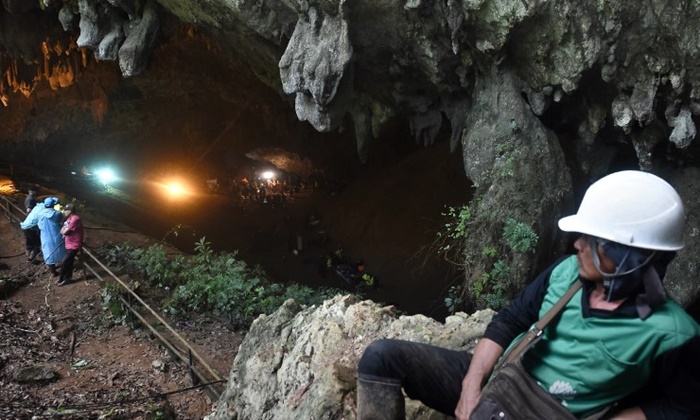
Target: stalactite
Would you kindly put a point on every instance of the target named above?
(66, 76)
(47, 58)
(4, 98)
(60, 68)
(99, 102)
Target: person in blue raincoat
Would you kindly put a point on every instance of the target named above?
(49, 221)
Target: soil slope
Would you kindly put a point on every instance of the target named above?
(101, 367)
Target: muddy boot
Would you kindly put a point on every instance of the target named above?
(52, 269)
(379, 398)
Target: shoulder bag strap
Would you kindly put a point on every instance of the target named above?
(535, 333)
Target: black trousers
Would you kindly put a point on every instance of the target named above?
(32, 239)
(430, 374)
(67, 264)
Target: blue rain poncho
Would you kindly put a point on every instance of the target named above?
(49, 221)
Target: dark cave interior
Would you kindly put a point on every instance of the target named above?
(195, 114)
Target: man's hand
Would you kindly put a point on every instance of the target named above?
(467, 401)
(634, 413)
(485, 357)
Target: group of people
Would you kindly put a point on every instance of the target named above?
(617, 348)
(56, 232)
(354, 273)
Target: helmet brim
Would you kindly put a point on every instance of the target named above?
(578, 224)
(574, 223)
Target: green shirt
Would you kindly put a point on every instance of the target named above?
(590, 362)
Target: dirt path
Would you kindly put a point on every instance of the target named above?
(98, 363)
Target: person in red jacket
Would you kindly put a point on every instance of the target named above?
(72, 232)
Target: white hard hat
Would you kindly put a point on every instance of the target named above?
(632, 208)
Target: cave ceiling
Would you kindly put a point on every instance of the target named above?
(613, 69)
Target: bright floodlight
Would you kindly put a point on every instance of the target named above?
(175, 189)
(105, 175)
(268, 174)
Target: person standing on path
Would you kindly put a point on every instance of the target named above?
(72, 232)
(32, 243)
(30, 202)
(48, 220)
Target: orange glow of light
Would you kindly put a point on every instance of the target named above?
(7, 187)
(175, 189)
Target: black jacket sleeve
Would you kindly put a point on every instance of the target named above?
(673, 391)
(522, 312)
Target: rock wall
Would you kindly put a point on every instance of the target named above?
(299, 363)
(423, 57)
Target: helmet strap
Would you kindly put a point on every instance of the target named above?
(623, 283)
(593, 244)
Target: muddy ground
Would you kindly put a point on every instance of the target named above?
(92, 364)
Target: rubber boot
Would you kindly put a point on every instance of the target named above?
(379, 398)
(54, 271)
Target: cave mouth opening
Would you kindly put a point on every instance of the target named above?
(590, 155)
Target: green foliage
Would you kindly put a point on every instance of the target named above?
(211, 282)
(450, 241)
(457, 221)
(489, 251)
(203, 251)
(489, 278)
(519, 236)
(507, 169)
(455, 297)
(155, 266)
(112, 304)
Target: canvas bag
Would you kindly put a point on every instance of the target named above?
(512, 393)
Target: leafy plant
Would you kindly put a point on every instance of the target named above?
(519, 236)
(210, 282)
(489, 251)
(454, 298)
(493, 285)
(113, 305)
(458, 221)
(450, 240)
(203, 251)
(489, 279)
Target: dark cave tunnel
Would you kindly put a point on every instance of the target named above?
(195, 116)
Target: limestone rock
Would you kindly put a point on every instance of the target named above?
(314, 66)
(681, 278)
(133, 54)
(35, 373)
(684, 130)
(300, 362)
(520, 173)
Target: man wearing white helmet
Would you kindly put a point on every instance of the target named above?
(619, 344)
